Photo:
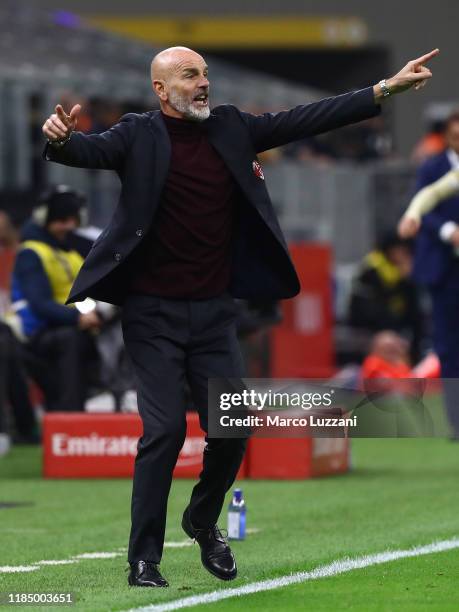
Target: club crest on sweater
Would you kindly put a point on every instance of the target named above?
(257, 169)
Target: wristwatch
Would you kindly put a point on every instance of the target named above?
(384, 89)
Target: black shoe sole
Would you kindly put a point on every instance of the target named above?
(219, 576)
(151, 586)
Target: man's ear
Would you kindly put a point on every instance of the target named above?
(159, 87)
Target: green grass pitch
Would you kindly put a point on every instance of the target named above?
(400, 493)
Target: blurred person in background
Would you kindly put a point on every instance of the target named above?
(432, 143)
(392, 404)
(9, 240)
(59, 336)
(434, 214)
(215, 236)
(388, 357)
(437, 256)
(383, 297)
(14, 389)
(8, 233)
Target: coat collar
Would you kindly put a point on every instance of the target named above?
(224, 141)
(222, 136)
(156, 121)
(162, 150)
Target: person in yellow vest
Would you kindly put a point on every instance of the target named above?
(383, 297)
(44, 271)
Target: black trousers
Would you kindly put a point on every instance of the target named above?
(170, 341)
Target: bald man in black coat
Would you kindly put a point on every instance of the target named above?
(194, 228)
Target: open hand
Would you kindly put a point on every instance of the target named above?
(414, 74)
(60, 125)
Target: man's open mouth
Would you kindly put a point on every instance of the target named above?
(201, 99)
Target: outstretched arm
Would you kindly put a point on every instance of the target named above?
(104, 151)
(426, 200)
(271, 130)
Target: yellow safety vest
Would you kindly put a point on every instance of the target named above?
(385, 268)
(61, 267)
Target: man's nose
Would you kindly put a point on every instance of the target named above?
(204, 82)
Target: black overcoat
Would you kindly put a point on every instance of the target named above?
(138, 150)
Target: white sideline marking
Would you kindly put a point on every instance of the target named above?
(57, 562)
(9, 569)
(98, 555)
(332, 569)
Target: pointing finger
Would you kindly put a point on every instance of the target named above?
(75, 112)
(427, 56)
(61, 114)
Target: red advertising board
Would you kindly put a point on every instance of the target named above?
(7, 257)
(297, 458)
(105, 445)
(302, 345)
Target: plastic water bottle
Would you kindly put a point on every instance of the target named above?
(5, 444)
(236, 516)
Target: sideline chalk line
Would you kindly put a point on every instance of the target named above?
(334, 568)
(120, 552)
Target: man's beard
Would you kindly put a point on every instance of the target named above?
(181, 105)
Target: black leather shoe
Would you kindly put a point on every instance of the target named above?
(216, 555)
(146, 574)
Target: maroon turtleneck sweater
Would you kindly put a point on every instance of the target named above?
(187, 252)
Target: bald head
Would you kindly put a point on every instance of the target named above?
(179, 79)
(389, 346)
(169, 60)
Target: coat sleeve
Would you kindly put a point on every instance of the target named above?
(105, 151)
(271, 130)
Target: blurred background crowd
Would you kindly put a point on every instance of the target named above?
(338, 196)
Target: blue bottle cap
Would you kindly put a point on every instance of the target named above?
(237, 494)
